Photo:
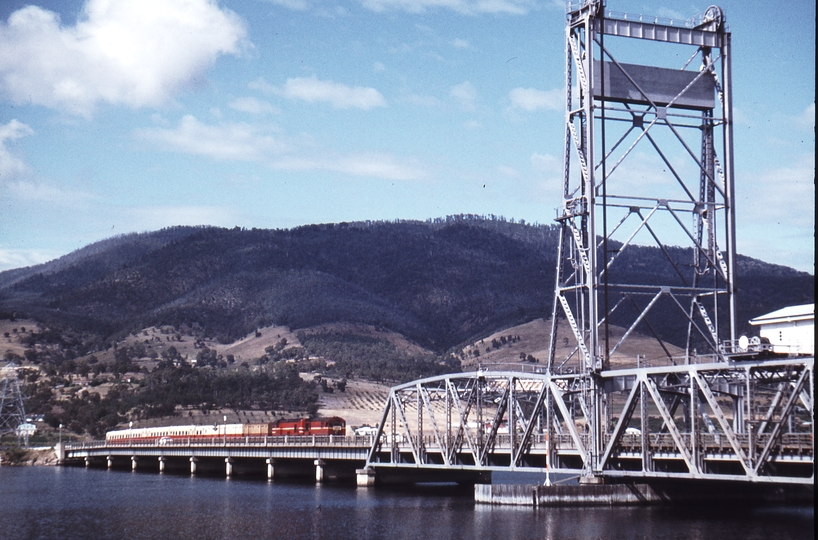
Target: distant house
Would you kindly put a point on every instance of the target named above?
(789, 330)
(26, 429)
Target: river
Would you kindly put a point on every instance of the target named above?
(77, 503)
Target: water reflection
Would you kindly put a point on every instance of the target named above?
(52, 503)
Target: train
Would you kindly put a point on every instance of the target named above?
(332, 425)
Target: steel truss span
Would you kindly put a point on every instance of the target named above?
(748, 422)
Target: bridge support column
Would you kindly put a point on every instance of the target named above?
(134, 461)
(87, 462)
(193, 461)
(228, 467)
(161, 464)
(365, 477)
(319, 470)
(110, 462)
(60, 451)
(586, 480)
(271, 470)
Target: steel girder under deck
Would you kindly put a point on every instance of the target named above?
(750, 421)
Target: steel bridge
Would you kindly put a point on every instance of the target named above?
(648, 158)
(739, 421)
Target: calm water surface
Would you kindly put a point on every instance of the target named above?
(68, 503)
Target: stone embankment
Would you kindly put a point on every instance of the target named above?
(43, 455)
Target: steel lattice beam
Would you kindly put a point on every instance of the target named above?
(671, 406)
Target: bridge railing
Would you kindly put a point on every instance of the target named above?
(791, 444)
(268, 441)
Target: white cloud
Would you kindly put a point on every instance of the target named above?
(807, 118)
(156, 217)
(253, 106)
(785, 195)
(20, 258)
(53, 195)
(460, 43)
(548, 170)
(244, 142)
(375, 165)
(465, 93)
(531, 99)
(421, 100)
(668, 13)
(469, 7)
(507, 171)
(224, 141)
(12, 166)
(340, 96)
(547, 164)
(298, 5)
(129, 52)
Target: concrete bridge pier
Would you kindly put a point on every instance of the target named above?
(134, 461)
(319, 470)
(193, 461)
(161, 464)
(365, 477)
(228, 467)
(87, 462)
(271, 470)
(59, 449)
(110, 462)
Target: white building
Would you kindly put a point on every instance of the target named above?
(789, 330)
(26, 429)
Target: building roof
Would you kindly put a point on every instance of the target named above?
(803, 312)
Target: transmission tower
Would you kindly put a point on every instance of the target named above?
(12, 411)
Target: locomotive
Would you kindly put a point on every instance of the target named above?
(333, 425)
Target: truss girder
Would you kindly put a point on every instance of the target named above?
(541, 421)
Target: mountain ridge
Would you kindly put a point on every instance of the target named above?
(440, 283)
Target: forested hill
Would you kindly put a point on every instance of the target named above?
(439, 282)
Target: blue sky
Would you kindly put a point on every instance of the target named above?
(121, 116)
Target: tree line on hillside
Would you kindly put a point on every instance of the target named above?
(441, 283)
(161, 392)
(92, 396)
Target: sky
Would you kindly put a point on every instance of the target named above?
(120, 116)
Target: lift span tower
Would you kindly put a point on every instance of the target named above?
(648, 159)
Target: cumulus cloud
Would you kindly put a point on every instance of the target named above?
(468, 7)
(253, 106)
(531, 99)
(340, 96)
(225, 141)
(298, 5)
(465, 93)
(372, 164)
(129, 52)
(243, 142)
(43, 192)
(12, 166)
